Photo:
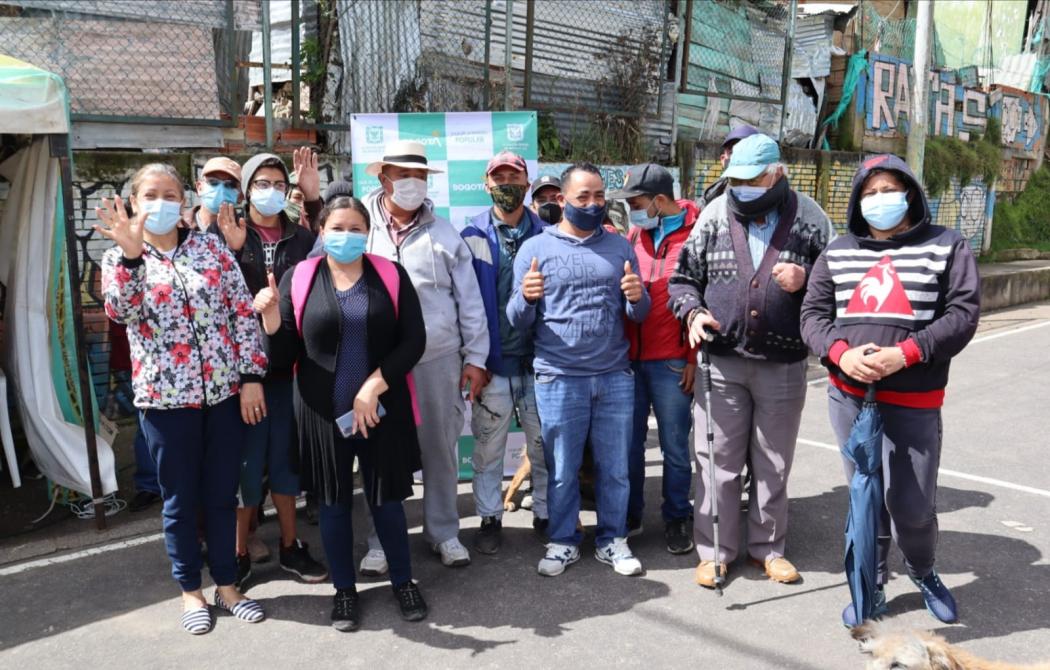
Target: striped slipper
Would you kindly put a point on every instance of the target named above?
(245, 610)
(198, 621)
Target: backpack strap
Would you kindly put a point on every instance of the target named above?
(302, 278)
(388, 273)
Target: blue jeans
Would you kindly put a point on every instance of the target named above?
(656, 385)
(571, 407)
(197, 451)
(145, 467)
(268, 447)
(490, 421)
(337, 530)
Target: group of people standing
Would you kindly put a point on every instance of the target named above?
(358, 329)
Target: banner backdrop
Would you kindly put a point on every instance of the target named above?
(460, 143)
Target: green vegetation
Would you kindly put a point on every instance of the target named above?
(1024, 221)
(948, 157)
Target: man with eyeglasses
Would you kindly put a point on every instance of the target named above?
(218, 185)
(494, 238)
(267, 244)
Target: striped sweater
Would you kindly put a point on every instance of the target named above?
(918, 290)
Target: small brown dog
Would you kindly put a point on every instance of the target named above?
(921, 650)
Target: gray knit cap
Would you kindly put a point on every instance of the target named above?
(253, 164)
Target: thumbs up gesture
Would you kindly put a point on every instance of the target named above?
(532, 283)
(266, 299)
(631, 284)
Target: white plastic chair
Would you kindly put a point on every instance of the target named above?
(5, 434)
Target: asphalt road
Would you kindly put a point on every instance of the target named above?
(118, 608)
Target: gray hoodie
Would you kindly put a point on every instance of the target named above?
(439, 263)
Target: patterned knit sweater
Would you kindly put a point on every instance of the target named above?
(758, 319)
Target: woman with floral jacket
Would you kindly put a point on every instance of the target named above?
(195, 347)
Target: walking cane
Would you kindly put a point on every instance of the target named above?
(705, 382)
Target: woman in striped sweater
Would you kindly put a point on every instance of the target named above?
(890, 304)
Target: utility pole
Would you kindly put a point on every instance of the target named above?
(920, 97)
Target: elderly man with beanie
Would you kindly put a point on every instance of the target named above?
(719, 187)
(494, 238)
(664, 364)
(266, 246)
(739, 285)
(406, 229)
(890, 304)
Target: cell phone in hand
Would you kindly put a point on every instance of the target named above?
(345, 423)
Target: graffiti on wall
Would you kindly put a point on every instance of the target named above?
(954, 110)
(1022, 118)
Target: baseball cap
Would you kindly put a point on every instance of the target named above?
(751, 156)
(739, 133)
(645, 179)
(546, 180)
(506, 158)
(222, 164)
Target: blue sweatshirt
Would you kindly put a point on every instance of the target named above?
(578, 323)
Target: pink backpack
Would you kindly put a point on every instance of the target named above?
(303, 278)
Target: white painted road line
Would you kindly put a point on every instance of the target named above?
(953, 473)
(1012, 331)
(76, 555)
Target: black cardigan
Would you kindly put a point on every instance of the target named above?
(395, 345)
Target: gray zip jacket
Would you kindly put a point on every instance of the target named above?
(440, 265)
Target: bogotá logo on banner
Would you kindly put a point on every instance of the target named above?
(374, 134)
(515, 132)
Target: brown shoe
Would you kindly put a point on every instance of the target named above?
(705, 573)
(778, 568)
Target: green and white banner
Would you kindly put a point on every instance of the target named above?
(460, 143)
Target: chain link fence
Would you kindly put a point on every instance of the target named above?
(137, 61)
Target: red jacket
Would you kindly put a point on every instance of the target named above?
(660, 336)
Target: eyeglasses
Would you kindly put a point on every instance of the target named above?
(228, 183)
(266, 183)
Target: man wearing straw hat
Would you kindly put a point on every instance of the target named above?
(405, 229)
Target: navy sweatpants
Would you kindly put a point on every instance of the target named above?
(911, 455)
(198, 452)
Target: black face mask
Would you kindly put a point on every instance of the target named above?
(549, 212)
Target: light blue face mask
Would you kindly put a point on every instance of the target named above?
(215, 196)
(267, 201)
(641, 218)
(345, 246)
(163, 215)
(884, 211)
(748, 193)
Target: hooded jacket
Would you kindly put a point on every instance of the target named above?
(919, 290)
(483, 239)
(660, 337)
(578, 325)
(441, 267)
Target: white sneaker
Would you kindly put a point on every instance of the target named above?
(453, 553)
(619, 556)
(558, 557)
(374, 563)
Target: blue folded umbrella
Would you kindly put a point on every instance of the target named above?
(864, 448)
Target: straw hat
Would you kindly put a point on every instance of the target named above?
(404, 154)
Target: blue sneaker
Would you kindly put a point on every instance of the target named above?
(939, 600)
(849, 617)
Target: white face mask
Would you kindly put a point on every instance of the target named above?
(409, 193)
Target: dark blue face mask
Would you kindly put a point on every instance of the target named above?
(585, 218)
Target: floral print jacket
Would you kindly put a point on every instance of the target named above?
(193, 335)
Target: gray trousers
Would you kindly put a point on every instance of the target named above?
(756, 408)
(441, 413)
(911, 455)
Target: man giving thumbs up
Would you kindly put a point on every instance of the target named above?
(574, 283)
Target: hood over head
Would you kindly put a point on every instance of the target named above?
(918, 206)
